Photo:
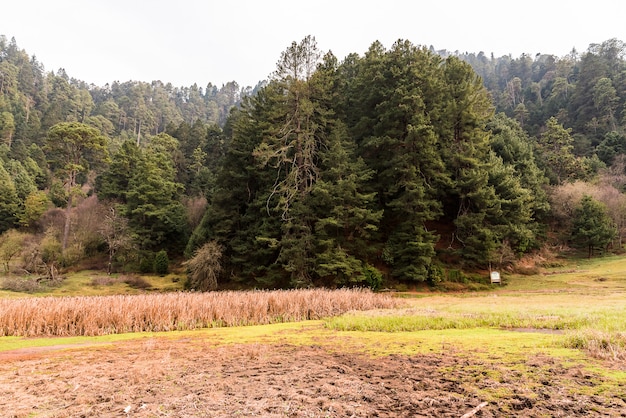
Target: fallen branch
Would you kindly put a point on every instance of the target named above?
(475, 410)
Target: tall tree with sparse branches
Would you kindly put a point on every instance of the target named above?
(72, 147)
(292, 148)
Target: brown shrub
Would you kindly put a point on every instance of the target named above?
(135, 281)
(103, 281)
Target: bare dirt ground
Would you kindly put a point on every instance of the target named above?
(158, 377)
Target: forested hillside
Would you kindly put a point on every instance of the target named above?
(403, 164)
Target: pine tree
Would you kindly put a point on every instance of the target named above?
(345, 222)
(153, 207)
(510, 143)
(592, 228)
(393, 93)
(292, 149)
(113, 183)
(556, 151)
(238, 217)
(161, 263)
(9, 202)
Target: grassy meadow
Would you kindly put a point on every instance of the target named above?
(569, 320)
(575, 312)
(581, 302)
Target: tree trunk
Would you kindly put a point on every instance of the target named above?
(66, 227)
(71, 181)
(139, 135)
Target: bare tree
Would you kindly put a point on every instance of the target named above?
(205, 266)
(116, 234)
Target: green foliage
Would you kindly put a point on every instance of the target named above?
(11, 244)
(51, 253)
(592, 227)
(435, 274)
(328, 166)
(611, 146)
(24, 183)
(373, 277)
(72, 149)
(292, 149)
(113, 183)
(146, 262)
(237, 217)
(161, 263)
(556, 151)
(58, 194)
(35, 205)
(390, 125)
(9, 201)
(153, 207)
(143, 181)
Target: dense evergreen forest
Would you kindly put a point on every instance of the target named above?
(400, 165)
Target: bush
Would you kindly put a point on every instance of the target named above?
(161, 263)
(29, 284)
(456, 276)
(146, 263)
(373, 277)
(21, 284)
(204, 267)
(451, 287)
(136, 282)
(435, 274)
(103, 281)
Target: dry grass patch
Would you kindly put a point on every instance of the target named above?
(101, 315)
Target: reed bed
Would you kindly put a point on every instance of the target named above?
(102, 315)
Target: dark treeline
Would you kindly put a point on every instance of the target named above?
(399, 165)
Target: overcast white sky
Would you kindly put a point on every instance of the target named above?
(202, 41)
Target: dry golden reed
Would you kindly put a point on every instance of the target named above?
(101, 315)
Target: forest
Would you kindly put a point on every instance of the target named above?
(401, 165)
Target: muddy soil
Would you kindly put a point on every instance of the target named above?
(189, 378)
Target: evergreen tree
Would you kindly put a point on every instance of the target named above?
(555, 149)
(292, 149)
(237, 217)
(611, 146)
(592, 227)
(24, 183)
(35, 205)
(509, 142)
(393, 93)
(153, 207)
(512, 145)
(161, 263)
(113, 183)
(9, 201)
(345, 222)
(464, 145)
